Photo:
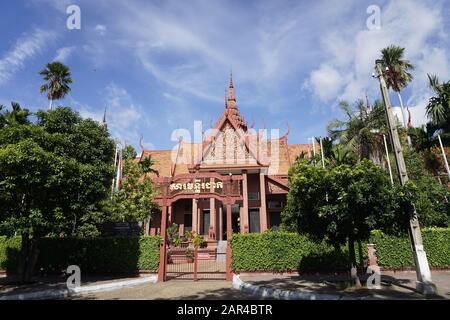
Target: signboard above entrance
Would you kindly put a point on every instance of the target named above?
(198, 185)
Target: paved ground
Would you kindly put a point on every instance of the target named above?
(395, 285)
(174, 290)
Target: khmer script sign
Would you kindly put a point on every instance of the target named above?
(197, 186)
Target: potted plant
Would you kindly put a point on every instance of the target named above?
(198, 241)
(189, 255)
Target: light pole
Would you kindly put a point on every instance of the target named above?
(424, 283)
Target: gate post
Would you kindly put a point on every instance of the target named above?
(229, 275)
(195, 263)
(163, 248)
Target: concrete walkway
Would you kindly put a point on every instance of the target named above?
(394, 285)
(54, 287)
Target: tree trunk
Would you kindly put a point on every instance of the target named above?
(28, 257)
(352, 256)
(361, 259)
(50, 105)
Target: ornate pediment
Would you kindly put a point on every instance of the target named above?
(228, 147)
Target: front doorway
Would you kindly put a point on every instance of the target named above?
(235, 220)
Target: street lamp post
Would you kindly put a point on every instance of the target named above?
(424, 283)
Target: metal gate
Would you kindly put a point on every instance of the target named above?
(188, 263)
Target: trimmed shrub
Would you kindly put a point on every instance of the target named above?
(395, 252)
(284, 251)
(9, 253)
(92, 255)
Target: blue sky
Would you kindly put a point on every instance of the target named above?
(161, 65)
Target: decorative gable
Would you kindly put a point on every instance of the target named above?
(227, 147)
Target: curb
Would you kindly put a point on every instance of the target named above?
(279, 294)
(63, 293)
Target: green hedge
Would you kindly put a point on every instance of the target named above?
(92, 255)
(283, 251)
(393, 252)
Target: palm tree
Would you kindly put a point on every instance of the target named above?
(358, 133)
(16, 116)
(396, 72)
(147, 166)
(438, 107)
(57, 77)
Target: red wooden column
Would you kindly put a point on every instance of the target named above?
(229, 234)
(244, 215)
(163, 248)
(263, 209)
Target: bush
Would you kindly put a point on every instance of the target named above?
(395, 252)
(284, 251)
(92, 255)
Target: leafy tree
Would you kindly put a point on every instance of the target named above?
(134, 201)
(129, 152)
(397, 72)
(342, 204)
(53, 175)
(57, 77)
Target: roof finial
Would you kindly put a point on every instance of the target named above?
(104, 124)
(231, 103)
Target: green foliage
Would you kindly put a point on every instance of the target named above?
(129, 152)
(57, 77)
(337, 204)
(395, 252)
(17, 116)
(396, 68)
(358, 135)
(284, 251)
(134, 200)
(9, 253)
(430, 197)
(54, 174)
(92, 255)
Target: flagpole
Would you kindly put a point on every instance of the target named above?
(444, 156)
(321, 153)
(114, 174)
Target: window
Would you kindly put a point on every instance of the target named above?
(253, 196)
(275, 204)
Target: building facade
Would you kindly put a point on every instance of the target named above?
(261, 158)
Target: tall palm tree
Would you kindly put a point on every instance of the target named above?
(438, 108)
(57, 77)
(397, 72)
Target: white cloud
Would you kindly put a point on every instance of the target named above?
(325, 82)
(126, 120)
(26, 47)
(415, 25)
(101, 29)
(62, 54)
